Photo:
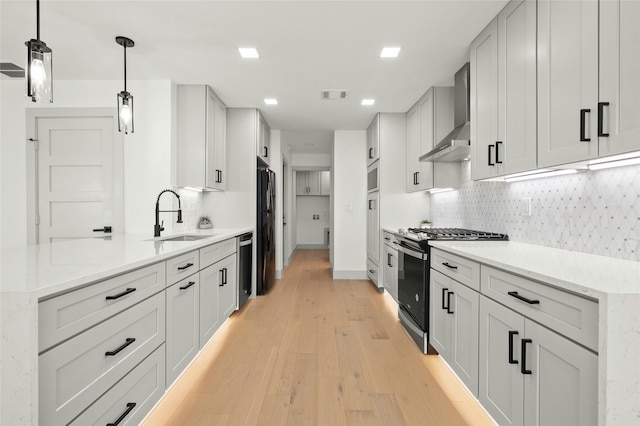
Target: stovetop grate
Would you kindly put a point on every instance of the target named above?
(455, 234)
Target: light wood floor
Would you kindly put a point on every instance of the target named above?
(316, 351)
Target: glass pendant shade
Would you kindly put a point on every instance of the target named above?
(39, 67)
(125, 112)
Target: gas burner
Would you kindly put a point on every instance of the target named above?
(454, 234)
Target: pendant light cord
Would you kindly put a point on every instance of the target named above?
(38, 19)
(125, 66)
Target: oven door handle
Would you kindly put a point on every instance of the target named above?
(411, 252)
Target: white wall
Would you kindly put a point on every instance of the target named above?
(349, 192)
(301, 161)
(275, 164)
(310, 231)
(147, 152)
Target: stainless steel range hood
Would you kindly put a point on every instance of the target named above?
(456, 146)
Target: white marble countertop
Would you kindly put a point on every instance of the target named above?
(48, 269)
(585, 274)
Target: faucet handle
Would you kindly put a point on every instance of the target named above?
(162, 225)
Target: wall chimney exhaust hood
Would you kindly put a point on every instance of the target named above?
(456, 146)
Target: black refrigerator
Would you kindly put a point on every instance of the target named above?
(265, 232)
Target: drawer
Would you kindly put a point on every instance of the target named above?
(69, 314)
(460, 269)
(74, 374)
(132, 397)
(182, 266)
(389, 239)
(372, 272)
(215, 252)
(566, 313)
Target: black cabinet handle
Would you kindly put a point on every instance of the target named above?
(444, 291)
(266, 152)
(370, 152)
(107, 229)
(126, 343)
(524, 299)
(119, 295)
(188, 285)
(187, 266)
(221, 277)
(218, 176)
(449, 266)
(130, 407)
(523, 349)
(489, 163)
(498, 143)
(387, 238)
(372, 271)
(601, 106)
(417, 178)
(224, 274)
(511, 334)
(449, 311)
(389, 260)
(583, 122)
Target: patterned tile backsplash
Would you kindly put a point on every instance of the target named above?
(191, 203)
(594, 212)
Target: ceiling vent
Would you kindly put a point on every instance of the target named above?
(333, 94)
(12, 70)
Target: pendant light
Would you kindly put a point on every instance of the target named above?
(39, 71)
(125, 99)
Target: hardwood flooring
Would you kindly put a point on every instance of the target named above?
(316, 351)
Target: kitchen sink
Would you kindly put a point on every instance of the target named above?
(186, 237)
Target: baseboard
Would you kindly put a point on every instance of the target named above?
(311, 246)
(350, 275)
(278, 274)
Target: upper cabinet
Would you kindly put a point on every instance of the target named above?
(588, 106)
(428, 121)
(373, 140)
(313, 182)
(201, 138)
(263, 139)
(503, 93)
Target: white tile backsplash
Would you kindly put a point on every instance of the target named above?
(594, 212)
(191, 203)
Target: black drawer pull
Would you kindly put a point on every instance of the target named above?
(498, 143)
(130, 406)
(444, 291)
(583, 120)
(221, 277)
(387, 238)
(449, 266)
(182, 268)
(119, 295)
(489, 163)
(511, 334)
(126, 343)
(601, 106)
(188, 285)
(523, 349)
(224, 276)
(372, 271)
(449, 311)
(524, 299)
(105, 229)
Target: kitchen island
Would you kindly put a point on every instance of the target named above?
(32, 274)
(614, 284)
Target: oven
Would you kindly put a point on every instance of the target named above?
(413, 291)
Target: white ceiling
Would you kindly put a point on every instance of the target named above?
(305, 47)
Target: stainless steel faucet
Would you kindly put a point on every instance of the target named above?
(158, 227)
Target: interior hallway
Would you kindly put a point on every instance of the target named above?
(316, 351)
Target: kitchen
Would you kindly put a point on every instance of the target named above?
(590, 212)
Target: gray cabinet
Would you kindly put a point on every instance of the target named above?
(373, 227)
(313, 182)
(373, 140)
(201, 138)
(263, 138)
(227, 292)
(531, 375)
(218, 296)
(390, 271)
(183, 317)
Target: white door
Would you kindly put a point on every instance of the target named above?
(464, 335)
(79, 177)
(619, 82)
(567, 81)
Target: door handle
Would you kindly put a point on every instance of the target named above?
(523, 349)
(444, 291)
(266, 152)
(498, 143)
(489, 163)
(417, 178)
(511, 334)
(583, 121)
(601, 106)
(370, 152)
(449, 311)
(105, 229)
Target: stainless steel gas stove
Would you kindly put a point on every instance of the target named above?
(413, 274)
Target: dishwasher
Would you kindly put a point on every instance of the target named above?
(245, 252)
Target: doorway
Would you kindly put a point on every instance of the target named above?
(286, 212)
(74, 174)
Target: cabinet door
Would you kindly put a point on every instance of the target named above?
(228, 292)
(373, 227)
(263, 138)
(484, 102)
(387, 271)
(210, 280)
(567, 81)
(183, 317)
(619, 71)
(413, 149)
(373, 141)
(302, 181)
(313, 182)
(325, 182)
(517, 88)
(210, 140)
(439, 319)
(464, 334)
(562, 388)
(426, 134)
(220, 146)
(500, 383)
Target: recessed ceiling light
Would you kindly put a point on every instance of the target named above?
(368, 102)
(390, 52)
(271, 101)
(248, 52)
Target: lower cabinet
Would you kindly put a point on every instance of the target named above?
(183, 317)
(390, 271)
(227, 292)
(218, 293)
(453, 326)
(531, 375)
